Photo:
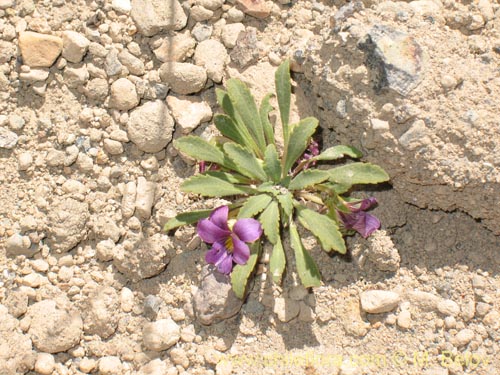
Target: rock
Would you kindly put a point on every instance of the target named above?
(128, 199)
(215, 300)
(179, 357)
(17, 356)
(5, 4)
(73, 187)
(16, 302)
(76, 76)
(245, 52)
(306, 313)
(24, 160)
(145, 197)
(142, 258)
(110, 365)
(416, 136)
(122, 6)
(153, 16)
(19, 245)
(97, 89)
(112, 147)
(404, 319)
(152, 305)
(104, 250)
(230, 34)
(104, 227)
(463, 337)
(286, 309)
(161, 335)
(395, 59)
(87, 365)
(183, 78)
(99, 311)
(150, 126)
(67, 224)
(202, 31)
(210, 4)
(189, 112)
(212, 55)
(39, 50)
(55, 158)
(235, 15)
(45, 363)
(448, 307)
(255, 8)
(154, 367)
(175, 48)
(35, 75)
(33, 280)
(424, 300)
(54, 328)
(112, 64)
(377, 251)
(133, 64)
(75, 46)
(123, 95)
(298, 292)
(481, 309)
(126, 299)
(379, 301)
(200, 14)
(8, 139)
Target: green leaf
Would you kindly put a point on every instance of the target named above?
(358, 173)
(277, 262)
(270, 220)
(337, 188)
(265, 108)
(246, 162)
(266, 187)
(245, 106)
(229, 129)
(186, 218)
(199, 149)
(272, 165)
(286, 203)
(306, 267)
(299, 139)
(254, 205)
(324, 229)
(241, 273)
(338, 152)
(283, 92)
(308, 178)
(210, 186)
(229, 177)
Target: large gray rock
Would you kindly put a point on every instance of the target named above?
(153, 16)
(54, 328)
(67, 224)
(215, 300)
(150, 126)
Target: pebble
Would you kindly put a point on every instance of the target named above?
(5, 4)
(175, 48)
(306, 313)
(99, 312)
(54, 329)
(212, 55)
(404, 319)
(55, 158)
(16, 302)
(112, 64)
(246, 51)
(202, 31)
(448, 307)
(286, 309)
(450, 322)
(298, 292)
(122, 6)
(76, 76)
(183, 78)
(230, 33)
(128, 199)
(40, 265)
(463, 337)
(39, 50)
(110, 365)
(150, 126)
(133, 64)
(482, 309)
(126, 300)
(45, 363)
(16, 122)
(33, 280)
(113, 147)
(424, 300)
(415, 136)
(123, 95)
(17, 244)
(160, 335)
(155, 367)
(189, 111)
(87, 365)
(152, 306)
(24, 160)
(179, 357)
(75, 46)
(151, 17)
(8, 139)
(145, 197)
(235, 15)
(448, 82)
(200, 14)
(379, 301)
(255, 8)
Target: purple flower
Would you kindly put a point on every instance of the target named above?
(362, 222)
(228, 241)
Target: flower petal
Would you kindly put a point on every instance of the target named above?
(215, 253)
(363, 205)
(367, 225)
(241, 251)
(225, 264)
(247, 230)
(219, 217)
(210, 232)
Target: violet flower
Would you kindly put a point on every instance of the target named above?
(362, 222)
(228, 241)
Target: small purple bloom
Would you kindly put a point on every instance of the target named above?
(362, 222)
(228, 242)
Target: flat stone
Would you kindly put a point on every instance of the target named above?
(34, 75)
(75, 46)
(8, 139)
(150, 126)
(255, 8)
(39, 50)
(379, 301)
(161, 335)
(245, 51)
(153, 16)
(183, 78)
(215, 300)
(395, 58)
(189, 111)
